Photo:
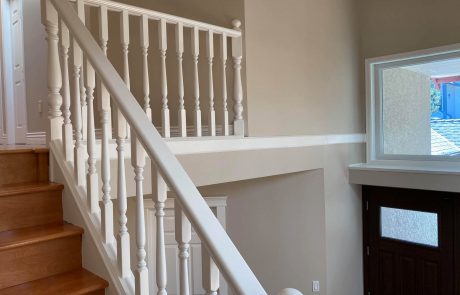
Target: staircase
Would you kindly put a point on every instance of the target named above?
(75, 59)
(39, 252)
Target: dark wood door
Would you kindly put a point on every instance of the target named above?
(409, 242)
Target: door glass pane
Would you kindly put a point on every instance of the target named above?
(410, 226)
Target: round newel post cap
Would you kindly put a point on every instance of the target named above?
(236, 24)
(289, 291)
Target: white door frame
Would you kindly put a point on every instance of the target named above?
(12, 43)
(2, 123)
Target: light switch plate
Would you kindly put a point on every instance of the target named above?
(315, 286)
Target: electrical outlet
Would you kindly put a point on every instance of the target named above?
(315, 286)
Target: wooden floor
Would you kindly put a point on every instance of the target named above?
(39, 252)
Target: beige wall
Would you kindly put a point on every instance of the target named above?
(296, 228)
(395, 26)
(343, 220)
(278, 225)
(303, 67)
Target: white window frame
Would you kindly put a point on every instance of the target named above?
(374, 103)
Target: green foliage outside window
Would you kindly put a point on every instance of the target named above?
(436, 99)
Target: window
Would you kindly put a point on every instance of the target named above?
(409, 226)
(414, 105)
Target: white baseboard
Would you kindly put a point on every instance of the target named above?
(36, 138)
(39, 138)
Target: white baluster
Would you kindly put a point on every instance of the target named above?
(125, 46)
(79, 160)
(84, 111)
(103, 28)
(138, 162)
(105, 114)
(124, 23)
(163, 46)
(159, 195)
(223, 57)
(83, 104)
(67, 127)
(237, 53)
(212, 113)
(123, 247)
(210, 277)
(107, 206)
(145, 53)
(50, 21)
(183, 233)
(196, 80)
(104, 38)
(180, 73)
(92, 179)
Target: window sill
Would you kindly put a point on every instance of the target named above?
(405, 174)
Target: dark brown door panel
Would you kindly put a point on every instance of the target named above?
(401, 261)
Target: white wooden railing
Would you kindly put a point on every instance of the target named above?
(72, 111)
(209, 122)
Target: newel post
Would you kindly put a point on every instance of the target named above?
(51, 22)
(237, 53)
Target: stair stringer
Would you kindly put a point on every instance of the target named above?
(98, 257)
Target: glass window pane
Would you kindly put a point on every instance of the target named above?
(421, 109)
(410, 226)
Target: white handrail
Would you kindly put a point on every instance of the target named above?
(152, 14)
(212, 234)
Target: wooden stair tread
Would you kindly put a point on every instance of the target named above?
(30, 235)
(28, 187)
(75, 282)
(22, 150)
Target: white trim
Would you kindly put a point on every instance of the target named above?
(36, 138)
(180, 146)
(15, 111)
(427, 54)
(7, 70)
(205, 144)
(412, 175)
(409, 167)
(374, 67)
